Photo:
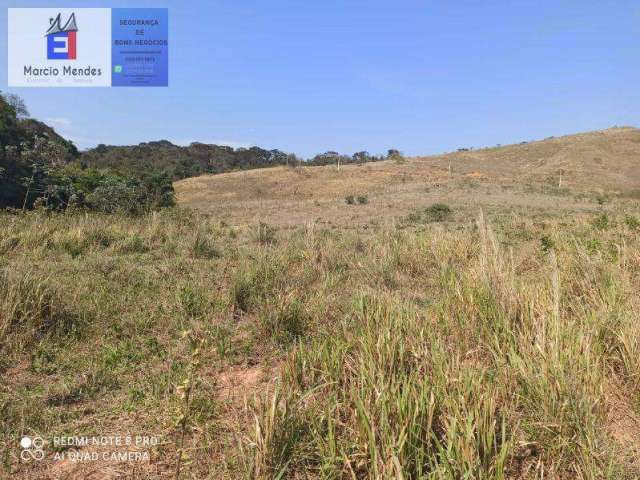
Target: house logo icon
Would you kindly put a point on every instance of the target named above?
(61, 41)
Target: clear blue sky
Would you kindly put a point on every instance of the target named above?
(421, 76)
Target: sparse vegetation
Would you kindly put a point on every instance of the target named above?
(602, 221)
(498, 346)
(546, 244)
(265, 234)
(362, 385)
(632, 222)
(363, 199)
(437, 212)
(204, 248)
(395, 155)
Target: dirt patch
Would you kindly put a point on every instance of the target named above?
(236, 383)
(624, 424)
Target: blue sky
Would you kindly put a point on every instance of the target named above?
(420, 76)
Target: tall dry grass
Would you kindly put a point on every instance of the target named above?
(496, 349)
(504, 375)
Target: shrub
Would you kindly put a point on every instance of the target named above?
(602, 222)
(100, 238)
(632, 222)
(159, 190)
(284, 322)
(363, 199)
(192, 301)
(438, 212)
(133, 244)
(546, 243)
(117, 195)
(243, 292)
(256, 282)
(350, 200)
(395, 155)
(74, 246)
(414, 217)
(203, 248)
(8, 244)
(265, 234)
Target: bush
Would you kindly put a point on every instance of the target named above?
(244, 292)
(116, 196)
(350, 200)
(602, 222)
(363, 199)
(37, 175)
(265, 234)
(285, 322)
(546, 244)
(192, 301)
(203, 248)
(395, 155)
(632, 222)
(438, 212)
(133, 244)
(159, 189)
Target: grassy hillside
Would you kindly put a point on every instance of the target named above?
(471, 315)
(181, 162)
(200, 158)
(501, 347)
(574, 173)
(606, 159)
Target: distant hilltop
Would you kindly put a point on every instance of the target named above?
(200, 158)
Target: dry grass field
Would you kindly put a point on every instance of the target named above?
(465, 316)
(567, 172)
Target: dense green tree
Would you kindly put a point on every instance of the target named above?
(10, 132)
(40, 168)
(361, 157)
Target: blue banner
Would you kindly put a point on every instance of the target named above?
(139, 47)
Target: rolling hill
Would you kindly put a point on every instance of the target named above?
(569, 172)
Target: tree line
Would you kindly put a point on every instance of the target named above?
(39, 168)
